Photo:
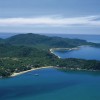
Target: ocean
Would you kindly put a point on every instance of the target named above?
(54, 84)
(84, 52)
(88, 37)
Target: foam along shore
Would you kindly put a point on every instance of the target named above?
(19, 73)
(62, 49)
(51, 51)
(66, 49)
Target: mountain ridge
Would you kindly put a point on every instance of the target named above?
(43, 41)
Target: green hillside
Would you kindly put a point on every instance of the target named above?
(25, 51)
(41, 41)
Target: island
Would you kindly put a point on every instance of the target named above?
(23, 52)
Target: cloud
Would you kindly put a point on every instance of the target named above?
(52, 21)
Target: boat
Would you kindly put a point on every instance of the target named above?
(36, 74)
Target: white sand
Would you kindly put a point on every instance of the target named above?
(16, 74)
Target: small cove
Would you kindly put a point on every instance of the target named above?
(54, 84)
(84, 52)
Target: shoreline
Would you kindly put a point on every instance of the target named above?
(69, 49)
(65, 49)
(77, 69)
(23, 72)
(51, 51)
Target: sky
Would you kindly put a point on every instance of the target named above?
(50, 16)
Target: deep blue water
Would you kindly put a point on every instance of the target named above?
(52, 84)
(85, 52)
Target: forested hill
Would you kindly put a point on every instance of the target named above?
(1, 40)
(42, 41)
(25, 51)
(21, 51)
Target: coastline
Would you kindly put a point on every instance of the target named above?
(76, 69)
(69, 49)
(51, 51)
(65, 49)
(16, 74)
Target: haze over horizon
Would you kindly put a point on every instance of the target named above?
(50, 16)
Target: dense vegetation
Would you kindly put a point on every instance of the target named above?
(25, 51)
(45, 42)
(79, 64)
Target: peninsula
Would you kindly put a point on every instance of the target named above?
(23, 52)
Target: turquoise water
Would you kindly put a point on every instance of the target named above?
(52, 84)
(84, 52)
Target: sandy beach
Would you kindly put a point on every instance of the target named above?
(51, 51)
(16, 74)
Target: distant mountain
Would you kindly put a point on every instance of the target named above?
(42, 41)
(26, 39)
